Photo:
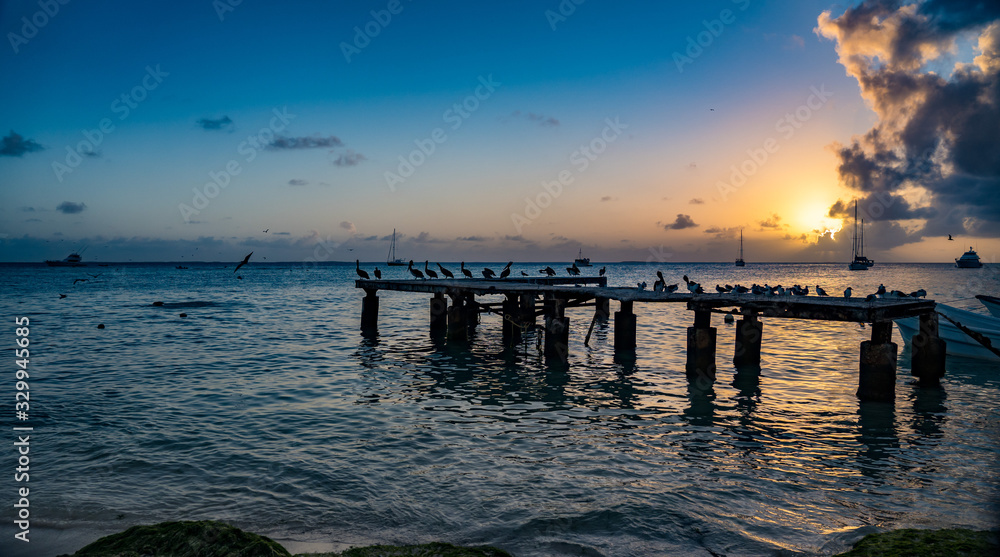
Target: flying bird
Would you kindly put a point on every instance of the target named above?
(244, 262)
(61, 296)
(361, 272)
(79, 280)
(265, 230)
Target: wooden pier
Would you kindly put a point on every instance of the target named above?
(526, 299)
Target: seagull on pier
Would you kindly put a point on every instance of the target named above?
(523, 274)
(357, 266)
(694, 287)
(429, 272)
(446, 272)
(847, 293)
(244, 262)
(488, 273)
(641, 285)
(820, 291)
(740, 289)
(670, 288)
(415, 272)
(506, 270)
(919, 294)
(881, 290)
(720, 289)
(871, 298)
(378, 274)
(466, 272)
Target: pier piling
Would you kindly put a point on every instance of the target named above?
(877, 370)
(602, 307)
(927, 359)
(457, 320)
(556, 329)
(749, 333)
(511, 320)
(369, 311)
(625, 328)
(701, 347)
(439, 314)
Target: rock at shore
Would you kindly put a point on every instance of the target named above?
(208, 538)
(951, 542)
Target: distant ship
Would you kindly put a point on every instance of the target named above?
(969, 260)
(740, 262)
(391, 259)
(860, 262)
(72, 260)
(581, 261)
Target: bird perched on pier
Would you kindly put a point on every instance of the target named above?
(820, 291)
(357, 266)
(548, 271)
(950, 238)
(670, 288)
(378, 274)
(466, 272)
(871, 298)
(919, 294)
(245, 261)
(847, 293)
(523, 274)
(881, 290)
(739, 289)
(601, 272)
(694, 287)
(896, 294)
(430, 273)
(758, 289)
(660, 283)
(415, 272)
(641, 285)
(574, 270)
(720, 289)
(506, 270)
(445, 272)
(488, 273)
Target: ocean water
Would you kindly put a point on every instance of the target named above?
(265, 407)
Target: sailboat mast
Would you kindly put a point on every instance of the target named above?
(861, 243)
(741, 243)
(854, 237)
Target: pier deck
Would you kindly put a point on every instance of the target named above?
(528, 298)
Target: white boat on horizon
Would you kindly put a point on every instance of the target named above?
(72, 260)
(969, 260)
(581, 261)
(391, 260)
(959, 343)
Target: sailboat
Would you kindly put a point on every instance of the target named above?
(391, 259)
(740, 262)
(860, 262)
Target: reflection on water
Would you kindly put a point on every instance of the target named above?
(270, 408)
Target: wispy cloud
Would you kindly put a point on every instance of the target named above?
(350, 158)
(224, 123)
(771, 223)
(314, 142)
(697, 201)
(540, 119)
(680, 223)
(297, 182)
(472, 238)
(14, 145)
(607, 198)
(70, 208)
(723, 233)
(348, 226)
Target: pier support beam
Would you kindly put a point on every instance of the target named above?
(556, 330)
(439, 314)
(749, 332)
(625, 328)
(528, 309)
(369, 311)
(701, 348)
(877, 371)
(457, 320)
(511, 320)
(927, 360)
(602, 307)
(471, 313)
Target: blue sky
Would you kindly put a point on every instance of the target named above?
(509, 95)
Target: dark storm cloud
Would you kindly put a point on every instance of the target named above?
(937, 131)
(14, 145)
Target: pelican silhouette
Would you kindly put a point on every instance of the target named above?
(465, 271)
(446, 272)
(361, 272)
(506, 270)
(429, 272)
(378, 274)
(602, 271)
(415, 272)
(488, 273)
(244, 262)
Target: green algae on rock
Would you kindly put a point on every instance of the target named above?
(910, 542)
(205, 538)
(209, 538)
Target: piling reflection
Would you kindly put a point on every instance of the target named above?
(878, 437)
(929, 413)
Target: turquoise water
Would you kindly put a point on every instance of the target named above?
(266, 408)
